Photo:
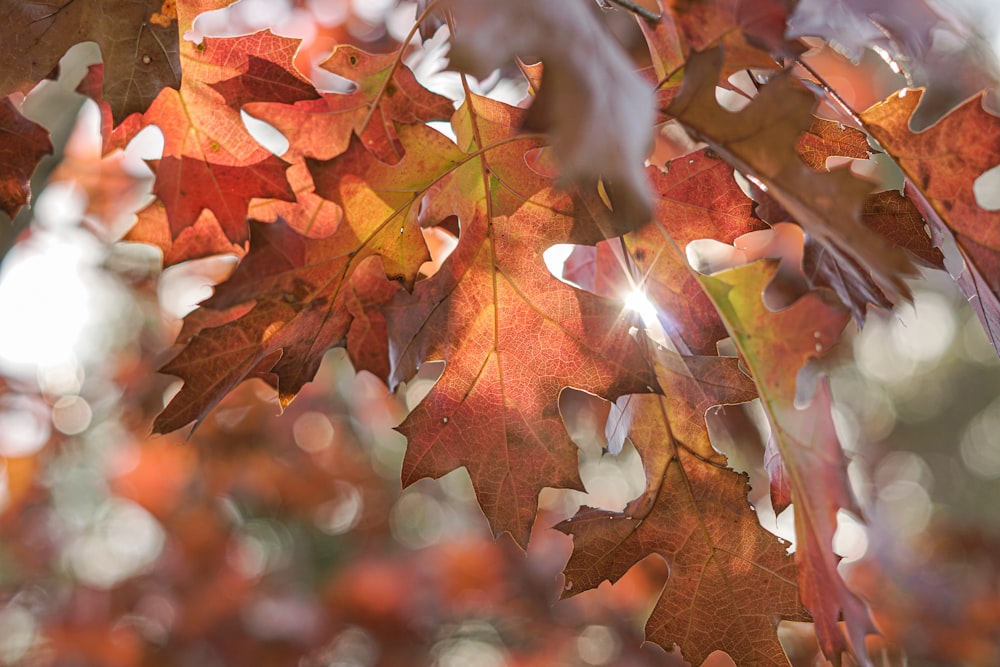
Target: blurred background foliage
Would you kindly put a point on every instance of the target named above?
(266, 540)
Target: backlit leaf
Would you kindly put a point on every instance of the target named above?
(760, 141)
(810, 467)
(730, 580)
(512, 335)
(23, 145)
(943, 163)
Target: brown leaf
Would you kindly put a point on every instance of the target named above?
(704, 24)
(23, 145)
(810, 468)
(730, 580)
(597, 109)
(141, 56)
(760, 141)
(942, 164)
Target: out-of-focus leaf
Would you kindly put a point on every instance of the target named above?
(23, 146)
(911, 34)
(597, 109)
(936, 593)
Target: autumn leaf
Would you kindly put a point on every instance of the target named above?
(942, 163)
(826, 138)
(888, 213)
(322, 129)
(910, 33)
(810, 468)
(895, 218)
(23, 144)
(139, 46)
(512, 335)
(301, 289)
(210, 160)
(202, 239)
(730, 580)
(706, 24)
(696, 197)
(760, 141)
(597, 109)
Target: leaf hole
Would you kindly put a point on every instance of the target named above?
(421, 383)
(264, 134)
(987, 189)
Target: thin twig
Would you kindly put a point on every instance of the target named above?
(831, 92)
(639, 10)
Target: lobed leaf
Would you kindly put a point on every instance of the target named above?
(730, 580)
(810, 469)
(942, 164)
(138, 42)
(760, 141)
(302, 290)
(512, 335)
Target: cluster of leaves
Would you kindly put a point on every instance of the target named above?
(331, 240)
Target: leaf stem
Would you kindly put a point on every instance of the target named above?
(638, 10)
(831, 92)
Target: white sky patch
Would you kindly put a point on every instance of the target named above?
(44, 304)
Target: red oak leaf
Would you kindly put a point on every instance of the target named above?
(512, 335)
(23, 146)
(139, 45)
(760, 140)
(811, 469)
(826, 138)
(210, 161)
(696, 197)
(942, 164)
(322, 129)
(303, 291)
(730, 579)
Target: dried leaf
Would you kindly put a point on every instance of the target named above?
(141, 55)
(694, 514)
(942, 163)
(512, 335)
(597, 109)
(812, 471)
(760, 141)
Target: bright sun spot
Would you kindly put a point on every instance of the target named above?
(638, 302)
